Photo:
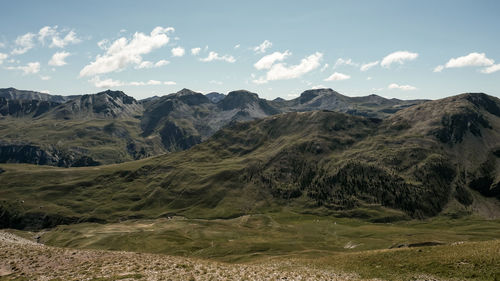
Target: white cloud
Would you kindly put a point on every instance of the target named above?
(341, 61)
(472, 59)
(215, 82)
(324, 67)
(145, 64)
(267, 61)
(58, 58)
(3, 57)
(491, 69)
(401, 87)
(195, 51)
(366, 66)
(46, 31)
(337, 77)
(110, 83)
(263, 46)
(398, 57)
(45, 78)
(103, 44)
(149, 64)
(178, 52)
(161, 63)
(438, 68)
(123, 52)
(55, 37)
(214, 56)
(281, 71)
(2, 45)
(24, 43)
(237, 46)
(70, 38)
(30, 68)
(369, 78)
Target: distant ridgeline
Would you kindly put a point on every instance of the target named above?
(111, 127)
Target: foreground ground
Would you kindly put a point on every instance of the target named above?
(24, 259)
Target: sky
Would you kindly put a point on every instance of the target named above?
(397, 49)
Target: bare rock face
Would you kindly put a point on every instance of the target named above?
(107, 104)
(25, 108)
(31, 154)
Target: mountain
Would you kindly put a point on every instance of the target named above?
(15, 94)
(25, 108)
(186, 118)
(328, 99)
(107, 104)
(111, 127)
(87, 130)
(438, 157)
(215, 97)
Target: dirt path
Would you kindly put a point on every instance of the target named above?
(20, 258)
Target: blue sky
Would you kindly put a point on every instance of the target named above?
(401, 49)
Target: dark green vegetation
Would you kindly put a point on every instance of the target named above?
(111, 127)
(414, 164)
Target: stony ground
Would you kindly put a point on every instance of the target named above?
(23, 259)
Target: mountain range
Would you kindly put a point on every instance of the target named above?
(111, 127)
(430, 158)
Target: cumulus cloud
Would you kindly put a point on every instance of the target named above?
(161, 63)
(263, 47)
(237, 46)
(491, 69)
(110, 83)
(57, 40)
(30, 68)
(401, 87)
(123, 52)
(281, 71)
(366, 66)
(324, 67)
(212, 56)
(58, 59)
(24, 43)
(438, 68)
(149, 64)
(195, 51)
(342, 61)
(178, 52)
(472, 59)
(398, 57)
(337, 77)
(3, 57)
(267, 61)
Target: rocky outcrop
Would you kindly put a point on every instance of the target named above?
(31, 154)
(25, 108)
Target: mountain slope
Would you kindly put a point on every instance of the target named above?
(15, 94)
(322, 162)
(88, 130)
